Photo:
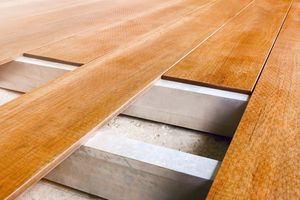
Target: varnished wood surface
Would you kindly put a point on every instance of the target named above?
(16, 9)
(88, 45)
(41, 128)
(263, 160)
(234, 57)
(27, 25)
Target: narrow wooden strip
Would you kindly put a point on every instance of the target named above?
(263, 160)
(89, 45)
(234, 57)
(41, 128)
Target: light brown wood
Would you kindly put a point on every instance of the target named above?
(17, 9)
(263, 160)
(39, 26)
(233, 58)
(98, 41)
(41, 128)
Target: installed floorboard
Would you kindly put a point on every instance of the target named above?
(89, 45)
(41, 128)
(21, 34)
(16, 9)
(263, 160)
(234, 57)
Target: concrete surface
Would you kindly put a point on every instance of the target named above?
(186, 140)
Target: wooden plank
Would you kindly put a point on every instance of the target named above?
(16, 9)
(89, 45)
(263, 159)
(43, 127)
(35, 30)
(233, 58)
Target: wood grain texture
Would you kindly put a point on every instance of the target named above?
(41, 128)
(233, 58)
(88, 45)
(263, 160)
(39, 26)
(17, 9)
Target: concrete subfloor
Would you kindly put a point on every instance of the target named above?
(182, 139)
(178, 138)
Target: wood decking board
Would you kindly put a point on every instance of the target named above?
(263, 160)
(15, 9)
(89, 45)
(233, 58)
(41, 128)
(35, 30)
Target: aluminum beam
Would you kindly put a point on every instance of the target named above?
(195, 107)
(121, 168)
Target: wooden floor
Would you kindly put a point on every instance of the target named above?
(237, 52)
(263, 159)
(122, 47)
(93, 43)
(30, 24)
